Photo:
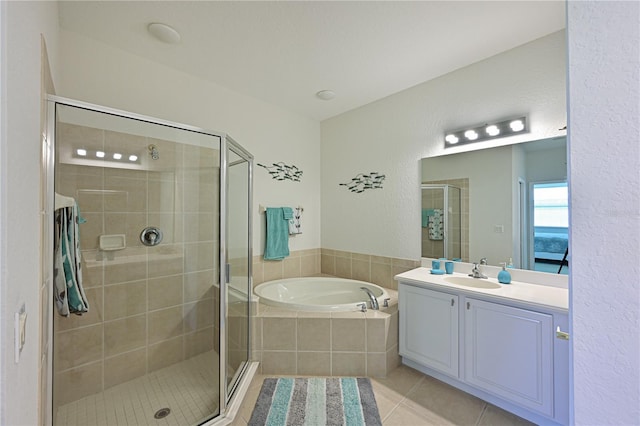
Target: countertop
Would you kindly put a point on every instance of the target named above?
(534, 295)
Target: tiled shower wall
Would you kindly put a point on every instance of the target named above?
(434, 248)
(149, 306)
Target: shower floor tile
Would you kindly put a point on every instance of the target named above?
(190, 389)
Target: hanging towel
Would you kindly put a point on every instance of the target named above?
(277, 244)
(435, 225)
(294, 222)
(67, 274)
(426, 213)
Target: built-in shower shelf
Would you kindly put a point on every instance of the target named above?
(113, 242)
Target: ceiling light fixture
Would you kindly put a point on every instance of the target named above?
(326, 95)
(164, 33)
(500, 129)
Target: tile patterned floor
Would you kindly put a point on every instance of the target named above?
(409, 398)
(189, 389)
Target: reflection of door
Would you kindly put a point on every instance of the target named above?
(238, 259)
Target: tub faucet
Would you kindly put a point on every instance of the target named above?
(476, 273)
(372, 297)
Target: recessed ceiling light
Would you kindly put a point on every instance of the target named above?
(164, 32)
(326, 95)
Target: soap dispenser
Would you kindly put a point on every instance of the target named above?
(504, 276)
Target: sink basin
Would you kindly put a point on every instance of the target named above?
(472, 282)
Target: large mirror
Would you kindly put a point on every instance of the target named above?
(505, 204)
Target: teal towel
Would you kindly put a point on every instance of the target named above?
(425, 216)
(287, 213)
(277, 244)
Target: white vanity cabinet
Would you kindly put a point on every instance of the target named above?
(429, 328)
(509, 352)
(502, 350)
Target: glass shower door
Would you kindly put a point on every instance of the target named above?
(148, 229)
(238, 260)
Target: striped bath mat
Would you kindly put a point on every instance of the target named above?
(316, 401)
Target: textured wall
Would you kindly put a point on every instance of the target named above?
(604, 143)
(392, 135)
(96, 73)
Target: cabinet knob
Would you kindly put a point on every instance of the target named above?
(562, 334)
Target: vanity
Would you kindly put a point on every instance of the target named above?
(504, 343)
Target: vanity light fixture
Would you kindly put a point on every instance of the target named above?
(104, 156)
(486, 131)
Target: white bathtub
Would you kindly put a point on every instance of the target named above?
(325, 294)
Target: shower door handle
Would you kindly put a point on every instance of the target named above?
(227, 273)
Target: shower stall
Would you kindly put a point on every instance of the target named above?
(441, 221)
(159, 214)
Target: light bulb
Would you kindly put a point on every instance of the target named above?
(117, 156)
(133, 157)
(492, 130)
(451, 138)
(99, 154)
(81, 152)
(471, 135)
(516, 125)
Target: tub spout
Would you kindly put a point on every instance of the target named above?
(372, 297)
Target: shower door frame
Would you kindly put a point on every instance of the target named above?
(445, 194)
(48, 164)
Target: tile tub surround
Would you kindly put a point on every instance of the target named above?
(378, 270)
(326, 343)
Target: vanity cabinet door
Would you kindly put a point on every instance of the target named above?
(429, 328)
(509, 352)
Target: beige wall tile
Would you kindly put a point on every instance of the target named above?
(201, 341)
(348, 334)
(71, 385)
(381, 274)
(125, 367)
(94, 316)
(279, 334)
(377, 334)
(309, 265)
(327, 264)
(126, 194)
(165, 353)
(125, 335)
(161, 195)
(393, 358)
(199, 256)
(279, 362)
(343, 267)
(90, 230)
(166, 264)
(124, 272)
(392, 334)
(91, 275)
(361, 270)
(171, 225)
(314, 363)
(125, 300)
(129, 224)
(76, 347)
(199, 315)
(273, 270)
(199, 285)
(291, 267)
(200, 226)
(348, 364)
(165, 324)
(377, 364)
(258, 273)
(164, 292)
(314, 334)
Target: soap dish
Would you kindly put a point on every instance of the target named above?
(437, 271)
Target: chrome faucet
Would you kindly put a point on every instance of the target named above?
(372, 297)
(475, 272)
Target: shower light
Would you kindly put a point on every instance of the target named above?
(117, 156)
(133, 158)
(81, 152)
(486, 131)
(100, 154)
